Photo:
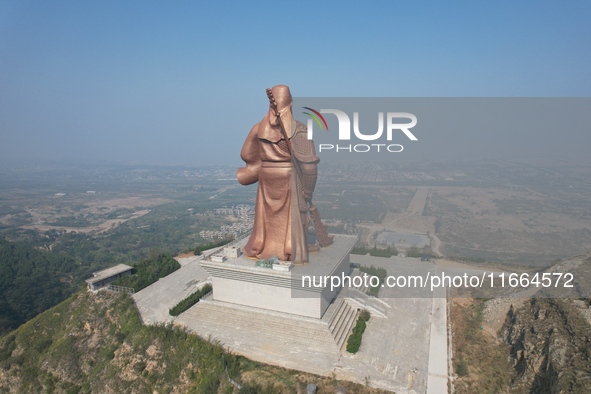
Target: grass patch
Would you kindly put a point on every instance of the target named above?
(480, 361)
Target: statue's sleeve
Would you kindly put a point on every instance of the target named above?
(251, 155)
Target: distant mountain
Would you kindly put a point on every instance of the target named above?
(31, 282)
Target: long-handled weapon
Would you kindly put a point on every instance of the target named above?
(321, 231)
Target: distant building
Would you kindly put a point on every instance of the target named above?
(105, 277)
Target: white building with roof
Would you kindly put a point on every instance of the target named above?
(104, 277)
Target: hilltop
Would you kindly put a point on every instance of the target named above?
(97, 343)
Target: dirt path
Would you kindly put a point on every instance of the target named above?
(436, 244)
(411, 220)
(99, 228)
(417, 204)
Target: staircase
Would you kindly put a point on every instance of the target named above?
(341, 321)
(246, 327)
(361, 300)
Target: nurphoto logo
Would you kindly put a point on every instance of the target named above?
(393, 124)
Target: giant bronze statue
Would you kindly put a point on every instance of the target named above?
(279, 156)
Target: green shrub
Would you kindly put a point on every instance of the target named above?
(461, 367)
(148, 271)
(413, 251)
(388, 252)
(363, 250)
(364, 315)
(354, 341)
(190, 300)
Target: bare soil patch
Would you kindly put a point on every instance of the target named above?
(105, 226)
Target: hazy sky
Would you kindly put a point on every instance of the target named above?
(183, 82)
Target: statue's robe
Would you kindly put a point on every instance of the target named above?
(281, 221)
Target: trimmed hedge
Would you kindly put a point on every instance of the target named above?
(190, 300)
(363, 250)
(354, 341)
(374, 271)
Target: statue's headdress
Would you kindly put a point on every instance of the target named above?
(268, 129)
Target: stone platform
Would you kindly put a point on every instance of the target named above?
(395, 350)
(240, 281)
(396, 353)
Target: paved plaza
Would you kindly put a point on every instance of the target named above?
(154, 301)
(405, 351)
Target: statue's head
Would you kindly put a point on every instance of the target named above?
(282, 97)
(269, 128)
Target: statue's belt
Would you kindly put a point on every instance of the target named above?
(276, 164)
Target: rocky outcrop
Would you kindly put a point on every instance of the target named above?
(550, 347)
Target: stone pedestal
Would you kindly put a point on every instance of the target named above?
(240, 281)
